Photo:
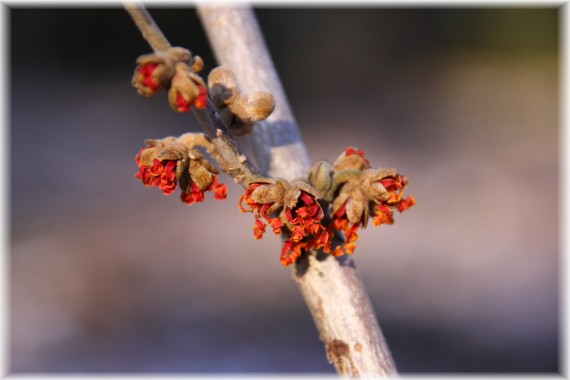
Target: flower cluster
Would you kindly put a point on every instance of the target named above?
(291, 209)
(354, 191)
(358, 192)
(173, 69)
(167, 163)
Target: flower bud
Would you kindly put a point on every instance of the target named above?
(320, 177)
(251, 108)
(223, 86)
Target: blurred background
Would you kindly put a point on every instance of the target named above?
(109, 276)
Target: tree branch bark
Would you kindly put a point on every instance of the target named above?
(331, 287)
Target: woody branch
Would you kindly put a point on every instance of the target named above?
(331, 286)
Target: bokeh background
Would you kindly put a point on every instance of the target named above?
(109, 276)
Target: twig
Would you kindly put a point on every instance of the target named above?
(231, 158)
(331, 287)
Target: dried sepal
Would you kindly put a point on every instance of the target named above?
(180, 54)
(352, 159)
(197, 64)
(187, 89)
(372, 186)
(264, 196)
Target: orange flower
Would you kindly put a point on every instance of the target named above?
(301, 215)
(194, 194)
(395, 187)
(260, 198)
(291, 251)
(200, 102)
(160, 174)
(147, 80)
(305, 217)
(340, 222)
(196, 176)
(219, 189)
(382, 215)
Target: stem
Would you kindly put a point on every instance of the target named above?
(230, 158)
(144, 22)
(237, 42)
(331, 288)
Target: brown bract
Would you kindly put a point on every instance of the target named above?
(154, 71)
(358, 190)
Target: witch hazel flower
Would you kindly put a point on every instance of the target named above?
(174, 67)
(303, 216)
(155, 70)
(200, 177)
(187, 89)
(167, 163)
(289, 209)
(159, 165)
(394, 186)
(358, 193)
(152, 73)
(264, 198)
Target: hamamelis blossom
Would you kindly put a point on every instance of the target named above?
(186, 90)
(162, 173)
(183, 104)
(165, 163)
(153, 72)
(147, 80)
(194, 194)
(303, 219)
(263, 198)
(362, 193)
(291, 210)
(340, 222)
(395, 187)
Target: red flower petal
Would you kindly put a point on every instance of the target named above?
(147, 80)
(182, 105)
(297, 234)
(219, 189)
(258, 229)
(202, 100)
(276, 224)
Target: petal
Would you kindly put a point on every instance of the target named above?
(258, 229)
(202, 100)
(182, 105)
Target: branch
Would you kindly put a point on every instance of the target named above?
(230, 157)
(330, 286)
